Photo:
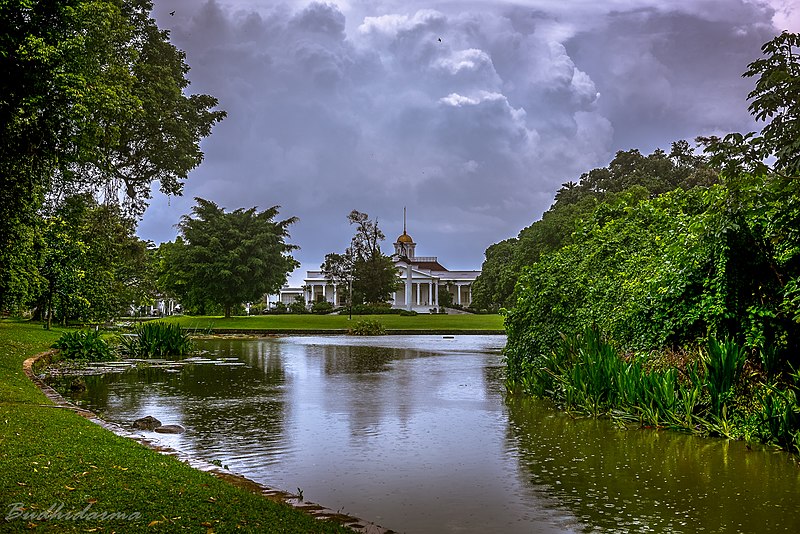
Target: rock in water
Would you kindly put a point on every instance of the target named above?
(147, 423)
(170, 429)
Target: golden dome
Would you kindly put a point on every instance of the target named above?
(405, 238)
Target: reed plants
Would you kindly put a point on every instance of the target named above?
(156, 339)
(723, 362)
(709, 395)
(780, 413)
(585, 373)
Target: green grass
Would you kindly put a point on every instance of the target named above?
(299, 323)
(50, 456)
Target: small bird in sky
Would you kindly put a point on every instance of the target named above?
(440, 39)
(172, 14)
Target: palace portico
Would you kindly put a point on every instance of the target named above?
(423, 279)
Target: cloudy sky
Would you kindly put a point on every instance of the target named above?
(470, 113)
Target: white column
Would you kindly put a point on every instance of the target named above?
(458, 294)
(470, 295)
(430, 293)
(436, 294)
(418, 284)
(408, 286)
(335, 302)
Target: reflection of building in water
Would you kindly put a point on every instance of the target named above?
(424, 280)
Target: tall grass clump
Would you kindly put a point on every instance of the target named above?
(585, 373)
(83, 345)
(723, 362)
(779, 415)
(156, 339)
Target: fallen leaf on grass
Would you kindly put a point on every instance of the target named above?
(205, 524)
(69, 488)
(21, 484)
(212, 499)
(154, 523)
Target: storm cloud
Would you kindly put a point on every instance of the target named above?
(471, 114)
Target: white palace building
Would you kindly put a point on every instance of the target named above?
(423, 279)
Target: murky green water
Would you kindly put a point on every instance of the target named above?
(415, 433)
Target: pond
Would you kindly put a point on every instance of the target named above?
(417, 434)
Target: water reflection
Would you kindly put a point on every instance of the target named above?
(415, 433)
(645, 480)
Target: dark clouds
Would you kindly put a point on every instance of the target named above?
(471, 114)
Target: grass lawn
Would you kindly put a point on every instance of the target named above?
(50, 456)
(422, 323)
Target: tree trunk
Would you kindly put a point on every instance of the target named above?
(228, 311)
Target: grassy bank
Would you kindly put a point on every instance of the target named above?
(51, 456)
(299, 323)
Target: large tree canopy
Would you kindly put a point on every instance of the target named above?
(91, 99)
(229, 258)
(372, 273)
(630, 174)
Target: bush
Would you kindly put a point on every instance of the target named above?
(298, 306)
(322, 307)
(156, 339)
(258, 309)
(367, 327)
(82, 345)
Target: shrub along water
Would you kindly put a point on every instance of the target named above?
(156, 339)
(585, 373)
(83, 345)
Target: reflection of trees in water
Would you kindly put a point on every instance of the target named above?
(343, 359)
(632, 480)
(219, 405)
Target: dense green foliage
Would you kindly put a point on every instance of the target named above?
(92, 265)
(363, 267)
(629, 175)
(83, 345)
(94, 101)
(156, 339)
(227, 258)
(667, 271)
(660, 271)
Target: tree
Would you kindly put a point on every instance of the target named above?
(92, 100)
(93, 264)
(230, 258)
(372, 273)
(774, 100)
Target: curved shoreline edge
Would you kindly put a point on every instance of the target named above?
(315, 510)
(342, 331)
